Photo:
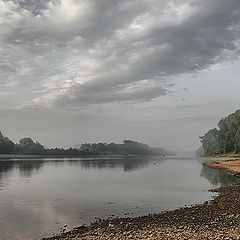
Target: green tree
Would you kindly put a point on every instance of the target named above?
(210, 142)
(6, 145)
(28, 146)
(226, 139)
(237, 142)
(26, 142)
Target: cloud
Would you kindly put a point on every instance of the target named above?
(71, 53)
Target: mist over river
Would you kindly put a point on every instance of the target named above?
(38, 197)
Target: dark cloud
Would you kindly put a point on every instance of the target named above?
(72, 53)
(35, 6)
(91, 96)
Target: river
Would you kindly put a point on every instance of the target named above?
(39, 197)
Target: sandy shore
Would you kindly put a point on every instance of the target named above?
(230, 165)
(215, 219)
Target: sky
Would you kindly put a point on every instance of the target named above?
(155, 71)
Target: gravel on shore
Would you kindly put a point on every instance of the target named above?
(218, 218)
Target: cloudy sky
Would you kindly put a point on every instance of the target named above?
(156, 71)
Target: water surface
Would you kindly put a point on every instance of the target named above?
(38, 197)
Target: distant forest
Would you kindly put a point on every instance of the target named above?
(29, 147)
(225, 139)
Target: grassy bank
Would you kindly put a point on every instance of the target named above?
(215, 219)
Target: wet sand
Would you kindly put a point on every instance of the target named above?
(218, 218)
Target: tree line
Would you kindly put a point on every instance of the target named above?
(225, 139)
(28, 146)
(127, 147)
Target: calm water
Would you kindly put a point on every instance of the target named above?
(38, 197)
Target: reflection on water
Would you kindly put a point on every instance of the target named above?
(38, 197)
(25, 168)
(217, 177)
(127, 163)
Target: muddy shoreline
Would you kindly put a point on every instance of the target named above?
(218, 218)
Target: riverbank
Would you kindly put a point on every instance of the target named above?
(230, 165)
(218, 218)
